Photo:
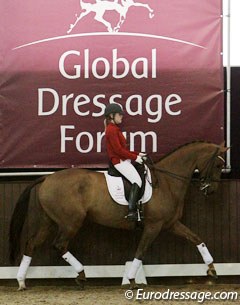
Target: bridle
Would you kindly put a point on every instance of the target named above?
(205, 181)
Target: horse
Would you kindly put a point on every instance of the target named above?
(69, 196)
(126, 4)
(100, 7)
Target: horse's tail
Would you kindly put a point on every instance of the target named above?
(18, 219)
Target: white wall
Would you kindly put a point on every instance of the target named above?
(234, 32)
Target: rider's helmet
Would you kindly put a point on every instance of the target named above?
(112, 109)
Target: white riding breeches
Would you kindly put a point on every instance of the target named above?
(129, 171)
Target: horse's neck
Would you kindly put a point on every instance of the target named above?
(183, 160)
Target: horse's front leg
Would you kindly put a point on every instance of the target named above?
(181, 230)
(150, 232)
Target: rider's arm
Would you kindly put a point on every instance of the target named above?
(117, 144)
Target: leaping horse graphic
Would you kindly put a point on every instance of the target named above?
(101, 6)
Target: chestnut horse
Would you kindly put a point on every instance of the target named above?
(69, 196)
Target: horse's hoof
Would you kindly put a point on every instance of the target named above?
(80, 280)
(212, 273)
(22, 288)
(133, 285)
(80, 283)
(21, 285)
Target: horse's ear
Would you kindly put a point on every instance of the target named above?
(223, 149)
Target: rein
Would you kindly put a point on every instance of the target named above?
(205, 181)
(152, 166)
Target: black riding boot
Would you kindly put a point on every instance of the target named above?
(132, 207)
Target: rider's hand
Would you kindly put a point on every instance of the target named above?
(143, 156)
(139, 159)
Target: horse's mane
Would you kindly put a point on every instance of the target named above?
(179, 147)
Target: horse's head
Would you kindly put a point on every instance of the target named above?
(210, 166)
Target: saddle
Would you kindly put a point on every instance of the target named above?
(141, 169)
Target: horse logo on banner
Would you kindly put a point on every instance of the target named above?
(100, 7)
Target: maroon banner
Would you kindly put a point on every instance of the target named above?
(63, 61)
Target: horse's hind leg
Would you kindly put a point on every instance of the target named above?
(33, 242)
(61, 243)
(183, 231)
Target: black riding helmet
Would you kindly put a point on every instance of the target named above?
(113, 108)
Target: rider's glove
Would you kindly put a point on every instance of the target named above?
(139, 159)
(143, 156)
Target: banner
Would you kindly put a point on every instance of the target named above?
(63, 61)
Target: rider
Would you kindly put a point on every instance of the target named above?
(121, 156)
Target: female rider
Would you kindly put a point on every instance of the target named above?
(120, 156)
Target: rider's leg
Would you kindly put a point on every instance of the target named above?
(132, 203)
(129, 171)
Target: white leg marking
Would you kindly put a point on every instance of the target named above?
(134, 268)
(22, 271)
(68, 257)
(207, 258)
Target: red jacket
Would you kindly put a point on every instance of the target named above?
(116, 145)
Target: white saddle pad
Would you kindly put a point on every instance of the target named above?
(116, 188)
